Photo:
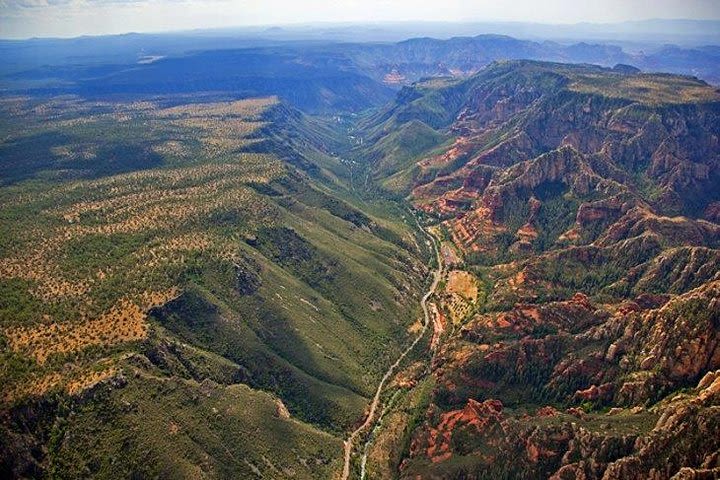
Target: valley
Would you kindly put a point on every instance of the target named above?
(494, 269)
(428, 321)
(216, 274)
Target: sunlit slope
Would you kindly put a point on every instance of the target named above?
(515, 111)
(211, 264)
(579, 211)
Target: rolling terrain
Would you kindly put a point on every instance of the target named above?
(170, 286)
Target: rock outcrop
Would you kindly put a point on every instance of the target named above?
(587, 201)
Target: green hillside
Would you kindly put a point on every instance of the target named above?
(202, 254)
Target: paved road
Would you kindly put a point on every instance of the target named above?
(437, 275)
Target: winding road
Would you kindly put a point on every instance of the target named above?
(437, 275)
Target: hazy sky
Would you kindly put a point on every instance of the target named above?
(25, 18)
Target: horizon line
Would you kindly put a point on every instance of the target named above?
(358, 23)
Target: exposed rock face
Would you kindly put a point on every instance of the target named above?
(591, 211)
(681, 442)
(684, 442)
(576, 352)
(475, 415)
(525, 127)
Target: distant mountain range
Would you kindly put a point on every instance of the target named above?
(314, 76)
(685, 32)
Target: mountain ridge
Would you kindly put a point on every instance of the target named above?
(574, 204)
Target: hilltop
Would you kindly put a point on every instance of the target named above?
(326, 77)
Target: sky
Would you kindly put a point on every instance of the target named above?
(68, 18)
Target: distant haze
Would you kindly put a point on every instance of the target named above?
(66, 18)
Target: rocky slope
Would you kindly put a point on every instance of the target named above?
(583, 203)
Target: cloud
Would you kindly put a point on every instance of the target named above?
(70, 4)
(21, 4)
